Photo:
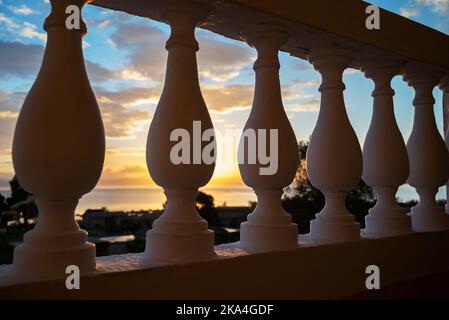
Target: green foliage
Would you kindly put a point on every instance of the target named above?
(205, 205)
(303, 200)
(21, 201)
(18, 194)
(206, 208)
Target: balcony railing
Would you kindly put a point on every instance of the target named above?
(63, 161)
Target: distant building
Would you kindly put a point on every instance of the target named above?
(118, 232)
(109, 221)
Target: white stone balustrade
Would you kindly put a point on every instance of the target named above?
(334, 158)
(444, 86)
(180, 234)
(385, 160)
(427, 151)
(59, 146)
(58, 153)
(269, 227)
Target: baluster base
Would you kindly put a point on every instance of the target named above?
(338, 228)
(429, 219)
(180, 247)
(258, 238)
(43, 256)
(388, 223)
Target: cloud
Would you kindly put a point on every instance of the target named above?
(24, 60)
(306, 105)
(111, 43)
(128, 96)
(25, 30)
(8, 114)
(145, 44)
(29, 30)
(19, 59)
(222, 98)
(120, 121)
(98, 73)
(126, 175)
(438, 6)
(7, 126)
(302, 65)
(8, 22)
(221, 61)
(127, 151)
(409, 12)
(104, 23)
(303, 94)
(22, 10)
(415, 7)
(10, 102)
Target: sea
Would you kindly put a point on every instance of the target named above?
(152, 198)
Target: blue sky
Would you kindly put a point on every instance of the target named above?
(125, 59)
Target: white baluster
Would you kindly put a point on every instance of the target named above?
(180, 234)
(427, 151)
(334, 158)
(385, 160)
(58, 153)
(444, 86)
(269, 227)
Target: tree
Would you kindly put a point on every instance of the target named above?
(303, 200)
(3, 207)
(205, 205)
(206, 208)
(20, 198)
(3, 204)
(18, 194)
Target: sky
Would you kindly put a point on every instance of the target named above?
(125, 59)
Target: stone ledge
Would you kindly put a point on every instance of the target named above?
(310, 272)
(342, 21)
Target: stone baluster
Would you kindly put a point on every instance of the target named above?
(180, 234)
(58, 152)
(385, 160)
(334, 158)
(444, 86)
(427, 151)
(269, 227)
